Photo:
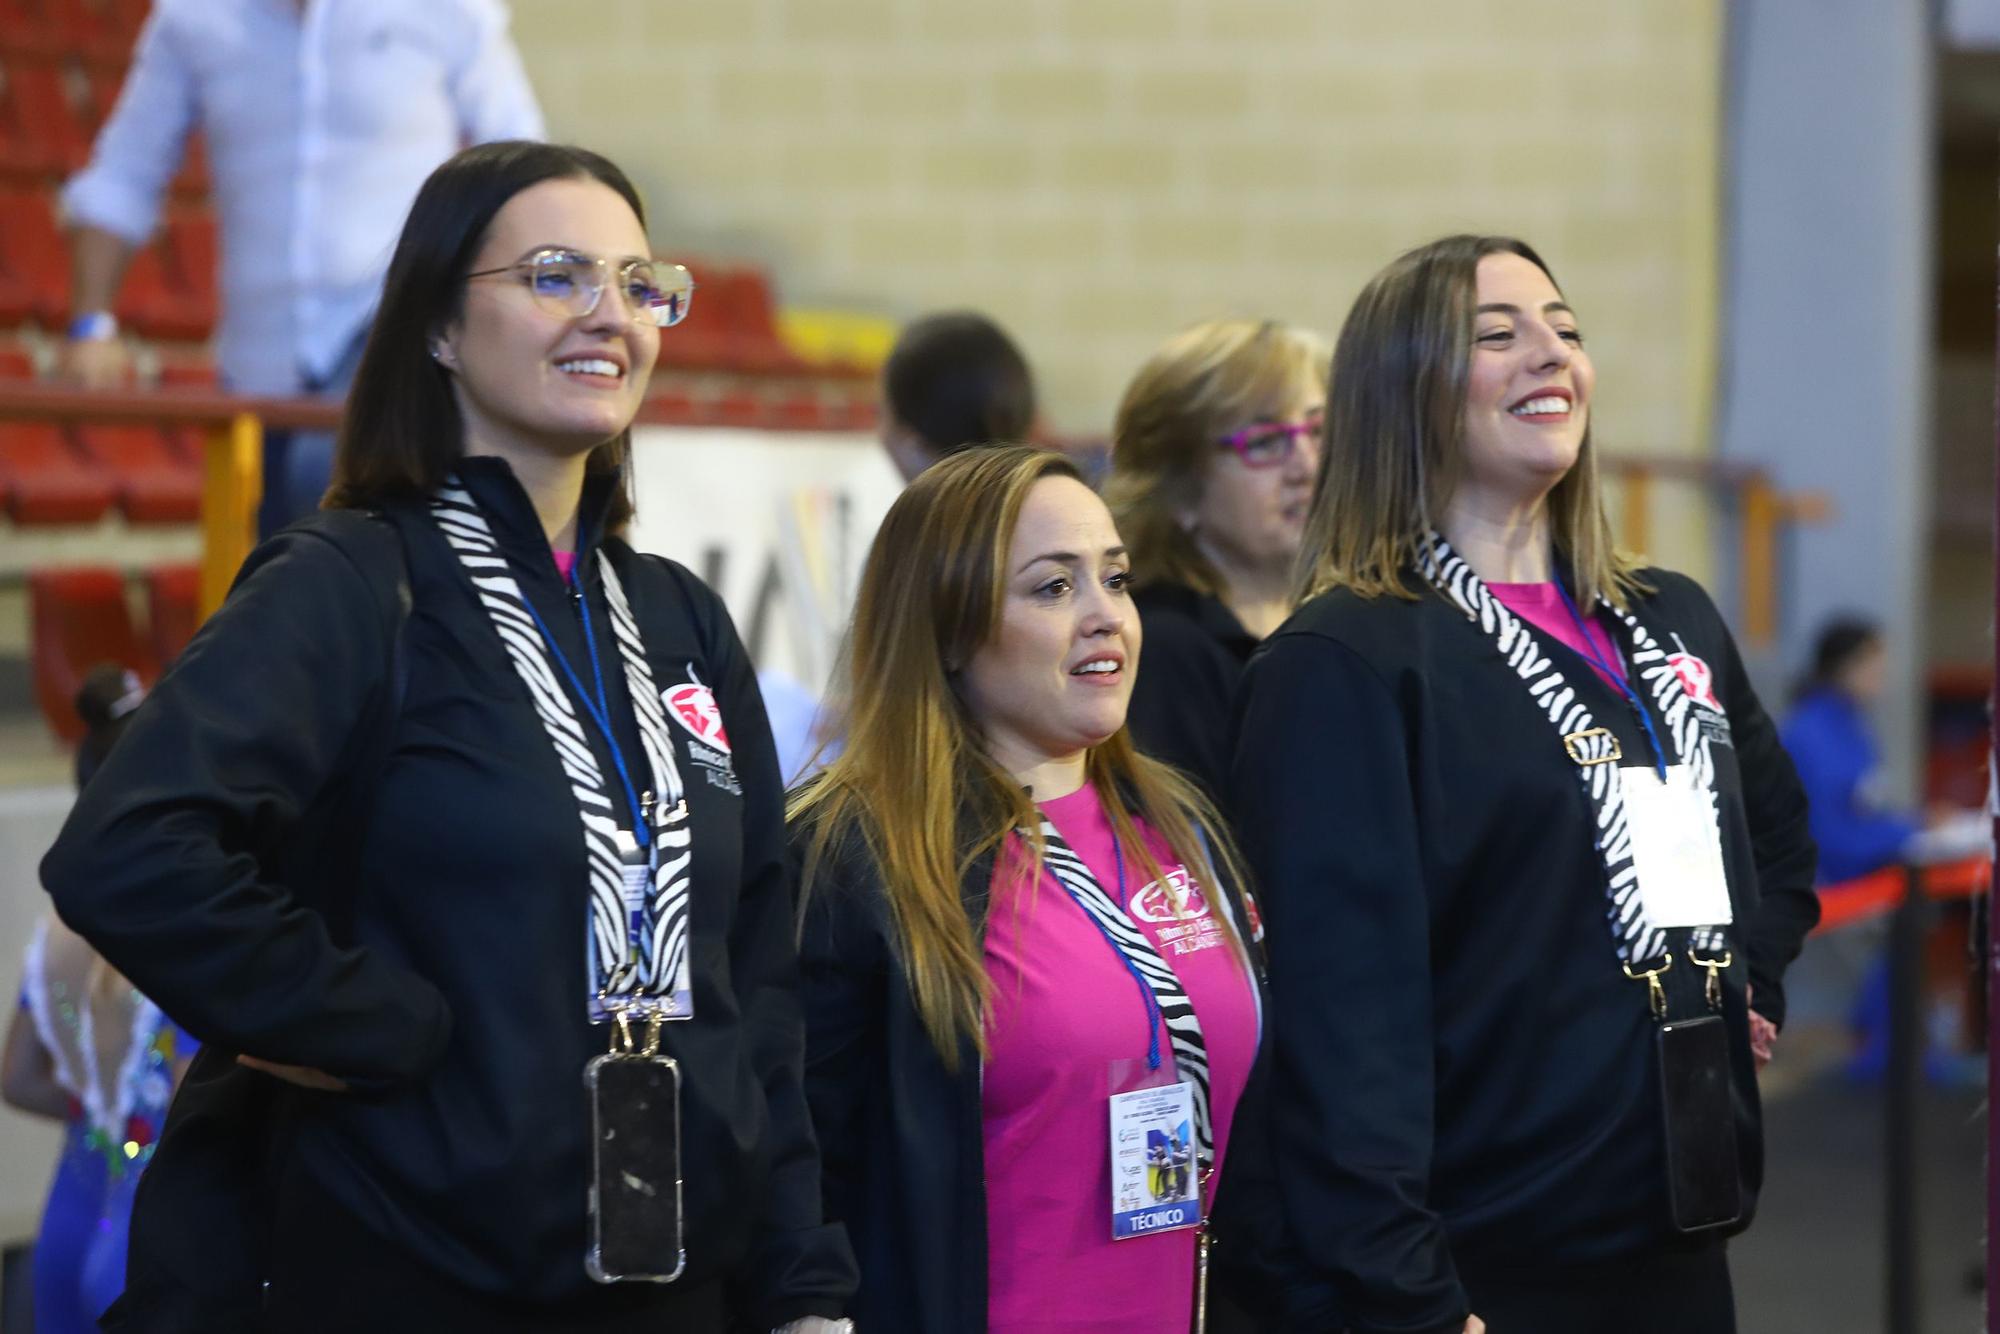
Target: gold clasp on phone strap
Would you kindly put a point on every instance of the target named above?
(1713, 988)
(1593, 745)
(623, 1043)
(1656, 994)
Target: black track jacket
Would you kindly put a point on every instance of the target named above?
(1191, 661)
(446, 979)
(1461, 1072)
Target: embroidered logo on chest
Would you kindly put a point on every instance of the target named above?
(1696, 678)
(1177, 906)
(693, 706)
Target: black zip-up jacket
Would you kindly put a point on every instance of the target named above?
(1462, 1075)
(447, 978)
(902, 1137)
(1191, 661)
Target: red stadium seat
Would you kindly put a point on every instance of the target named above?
(16, 364)
(155, 482)
(156, 299)
(39, 133)
(732, 325)
(78, 619)
(172, 609)
(46, 482)
(34, 261)
(101, 30)
(748, 316)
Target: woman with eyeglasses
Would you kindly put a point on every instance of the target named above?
(457, 837)
(1529, 851)
(1213, 456)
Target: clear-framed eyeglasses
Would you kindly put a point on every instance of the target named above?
(570, 284)
(1271, 444)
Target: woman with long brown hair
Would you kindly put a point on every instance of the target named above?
(1530, 847)
(1014, 923)
(1214, 452)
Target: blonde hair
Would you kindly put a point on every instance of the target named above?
(1395, 418)
(1205, 382)
(914, 780)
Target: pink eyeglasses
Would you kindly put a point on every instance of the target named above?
(1271, 444)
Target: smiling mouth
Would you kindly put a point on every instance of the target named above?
(1099, 670)
(591, 368)
(1542, 408)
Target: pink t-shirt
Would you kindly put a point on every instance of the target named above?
(1541, 605)
(1065, 1008)
(565, 563)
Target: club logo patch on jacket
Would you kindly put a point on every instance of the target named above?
(693, 706)
(1696, 678)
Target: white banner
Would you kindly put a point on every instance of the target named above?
(776, 522)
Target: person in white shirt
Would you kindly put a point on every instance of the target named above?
(321, 118)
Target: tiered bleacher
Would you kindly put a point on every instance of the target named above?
(61, 64)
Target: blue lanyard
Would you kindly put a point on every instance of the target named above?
(1154, 1019)
(597, 707)
(1618, 678)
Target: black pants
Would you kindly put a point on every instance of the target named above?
(330, 1275)
(1681, 1290)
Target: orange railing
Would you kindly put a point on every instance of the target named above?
(234, 432)
(233, 455)
(1763, 512)
(1881, 892)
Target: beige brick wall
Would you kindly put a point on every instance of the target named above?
(1097, 173)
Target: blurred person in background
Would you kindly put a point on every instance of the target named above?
(1513, 1060)
(1214, 452)
(990, 872)
(86, 1049)
(953, 379)
(458, 809)
(321, 118)
(1832, 741)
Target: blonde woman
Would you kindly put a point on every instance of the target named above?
(1030, 1009)
(1214, 453)
(1529, 844)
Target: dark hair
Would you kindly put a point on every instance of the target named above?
(956, 379)
(402, 431)
(1839, 642)
(105, 701)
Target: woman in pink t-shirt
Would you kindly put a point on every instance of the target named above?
(1030, 1003)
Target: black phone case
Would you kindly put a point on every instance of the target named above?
(1704, 1188)
(635, 1192)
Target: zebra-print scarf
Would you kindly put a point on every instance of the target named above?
(1176, 1010)
(1638, 940)
(643, 969)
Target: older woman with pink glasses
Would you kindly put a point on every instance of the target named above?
(1214, 455)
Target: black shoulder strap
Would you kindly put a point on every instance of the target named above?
(373, 542)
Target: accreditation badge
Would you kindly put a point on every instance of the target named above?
(1676, 848)
(1155, 1184)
